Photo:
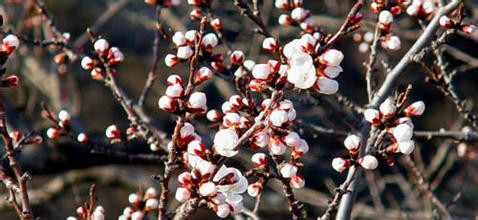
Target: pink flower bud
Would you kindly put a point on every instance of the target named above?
(254, 189)
(185, 52)
(182, 194)
(185, 178)
(274, 65)
(237, 57)
(428, 7)
(300, 149)
(97, 74)
(174, 79)
(297, 182)
(352, 143)
(288, 170)
(194, 2)
(213, 115)
(402, 132)
(285, 19)
(340, 164)
(327, 86)
(298, 14)
(259, 159)
(179, 39)
(98, 216)
(205, 168)
(134, 199)
(82, 138)
(393, 43)
(150, 193)
(257, 85)
(186, 131)
(115, 55)
(171, 60)
(281, 4)
(261, 139)
(151, 204)
(216, 24)
(12, 81)
(207, 189)
(197, 100)
(292, 139)
(415, 109)
(113, 132)
(331, 57)
(445, 21)
(209, 41)
(101, 46)
(64, 115)
(270, 44)
(308, 42)
(261, 71)
(231, 120)
(191, 37)
(385, 17)
(138, 215)
(196, 14)
(99, 209)
(10, 43)
(36, 139)
(406, 147)
(174, 91)
(128, 211)
(87, 63)
(413, 9)
(223, 210)
(167, 104)
(278, 118)
(276, 146)
(298, 3)
(203, 74)
(53, 133)
(388, 107)
(372, 116)
(81, 211)
(468, 28)
(368, 162)
(235, 101)
(197, 148)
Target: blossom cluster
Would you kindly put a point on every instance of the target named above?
(298, 15)
(396, 122)
(222, 191)
(9, 44)
(195, 103)
(62, 125)
(82, 213)
(141, 204)
(106, 57)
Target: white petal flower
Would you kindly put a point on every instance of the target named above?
(302, 72)
(225, 141)
(239, 182)
(288, 170)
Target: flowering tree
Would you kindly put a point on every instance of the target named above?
(223, 159)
